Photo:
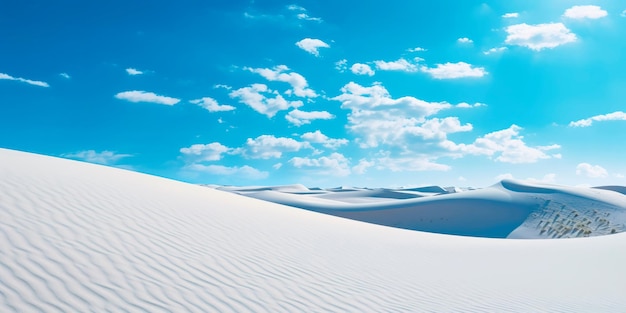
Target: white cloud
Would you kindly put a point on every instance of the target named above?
(585, 11)
(380, 119)
(465, 40)
(306, 17)
(91, 156)
(591, 171)
(268, 146)
(311, 45)
(336, 164)
(361, 69)
(398, 65)
(255, 97)
(341, 65)
(623, 13)
(495, 50)
(465, 105)
(406, 126)
(506, 144)
(615, 116)
(300, 118)
(318, 137)
(131, 71)
(454, 70)
(511, 15)
(279, 73)
(540, 36)
(222, 86)
(65, 75)
(211, 105)
(209, 152)
(294, 7)
(144, 96)
(24, 80)
(416, 49)
(242, 172)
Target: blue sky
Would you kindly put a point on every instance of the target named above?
(362, 93)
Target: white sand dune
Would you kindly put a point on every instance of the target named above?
(77, 237)
(509, 209)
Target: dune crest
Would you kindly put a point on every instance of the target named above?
(78, 237)
(508, 209)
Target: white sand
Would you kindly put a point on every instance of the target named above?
(77, 237)
(509, 209)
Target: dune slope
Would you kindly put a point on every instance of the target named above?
(76, 237)
(509, 209)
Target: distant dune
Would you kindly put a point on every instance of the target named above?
(78, 237)
(509, 209)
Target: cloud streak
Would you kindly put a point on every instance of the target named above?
(454, 70)
(24, 80)
(615, 116)
(145, 96)
(212, 105)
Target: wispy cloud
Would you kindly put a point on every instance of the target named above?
(24, 80)
(341, 65)
(131, 71)
(295, 7)
(306, 17)
(585, 11)
(465, 40)
(398, 65)
(103, 157)
(511, 15)
(454, 70)
(65, 75)
(615, 116)
(144, 96)
(540, 36)
(222, 86)
(466, 105)
(416, 49)
(495, 50)
(211, 105)
(312, 45)
(302, 15)
(300, 118)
